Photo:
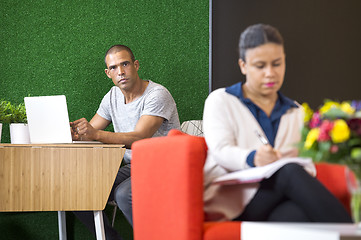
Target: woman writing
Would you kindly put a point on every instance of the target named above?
(231, 117)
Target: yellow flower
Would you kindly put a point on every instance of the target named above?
(308, 112)
(340, 131)
(346, 107)
(328, 105)
(311, 137)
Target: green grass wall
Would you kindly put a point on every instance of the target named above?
(57, 47)
(51, 47)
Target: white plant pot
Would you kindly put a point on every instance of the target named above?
(19, 133)
(1, 128)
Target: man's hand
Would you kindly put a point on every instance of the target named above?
(266, 155)
(82, 130)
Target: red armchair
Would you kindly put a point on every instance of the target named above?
(167, 188)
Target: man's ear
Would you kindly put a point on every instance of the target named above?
(242, 66)
(107, 72)
(136, 64)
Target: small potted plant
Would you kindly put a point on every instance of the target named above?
(15, 115)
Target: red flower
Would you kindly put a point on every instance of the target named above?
(325, 128)
(315, 120)
(355, 125)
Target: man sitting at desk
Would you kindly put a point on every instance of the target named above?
(138, 109)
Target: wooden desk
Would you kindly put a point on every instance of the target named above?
(58, 177)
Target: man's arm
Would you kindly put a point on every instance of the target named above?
(146, 126)
(99, 122)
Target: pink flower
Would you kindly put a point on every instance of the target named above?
(315, 120)
(325, 128)
(334, 149)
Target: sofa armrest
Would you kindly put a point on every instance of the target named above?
(167, 187)
(332, 176)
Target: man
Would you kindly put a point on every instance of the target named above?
(137, 109)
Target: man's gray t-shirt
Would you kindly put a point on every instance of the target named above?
(155, 101)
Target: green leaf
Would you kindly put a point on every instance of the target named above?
(324, 146)
(354, 142)
(10, 113)
(356, 154)
(335, 113)
(319, 157)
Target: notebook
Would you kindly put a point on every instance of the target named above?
(48, 119)
(256, 174)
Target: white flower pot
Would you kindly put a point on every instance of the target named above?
(1, 127)
(19, 133)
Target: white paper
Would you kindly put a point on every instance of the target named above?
(300, 231)
(256, 174)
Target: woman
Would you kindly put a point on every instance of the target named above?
(231, 117)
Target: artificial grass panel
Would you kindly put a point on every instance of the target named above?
(57, 47)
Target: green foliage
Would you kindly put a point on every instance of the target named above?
(356, 154)
(12, 113)
(336, 113)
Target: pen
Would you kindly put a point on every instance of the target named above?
(261, 138)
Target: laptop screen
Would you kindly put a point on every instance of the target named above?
(48, 119)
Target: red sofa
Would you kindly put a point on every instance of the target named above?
(167, 188)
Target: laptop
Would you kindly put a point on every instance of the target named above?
(48, 119)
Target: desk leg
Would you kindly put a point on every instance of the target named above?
(99, 225)
(62, 225)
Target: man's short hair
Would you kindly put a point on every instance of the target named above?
(118, 48)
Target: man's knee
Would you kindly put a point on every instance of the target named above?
(123, 194)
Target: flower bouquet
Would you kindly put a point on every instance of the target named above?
(333, 134)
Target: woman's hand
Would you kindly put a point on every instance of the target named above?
(266, 154)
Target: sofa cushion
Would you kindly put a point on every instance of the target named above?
(167, 187)
(222, 230)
